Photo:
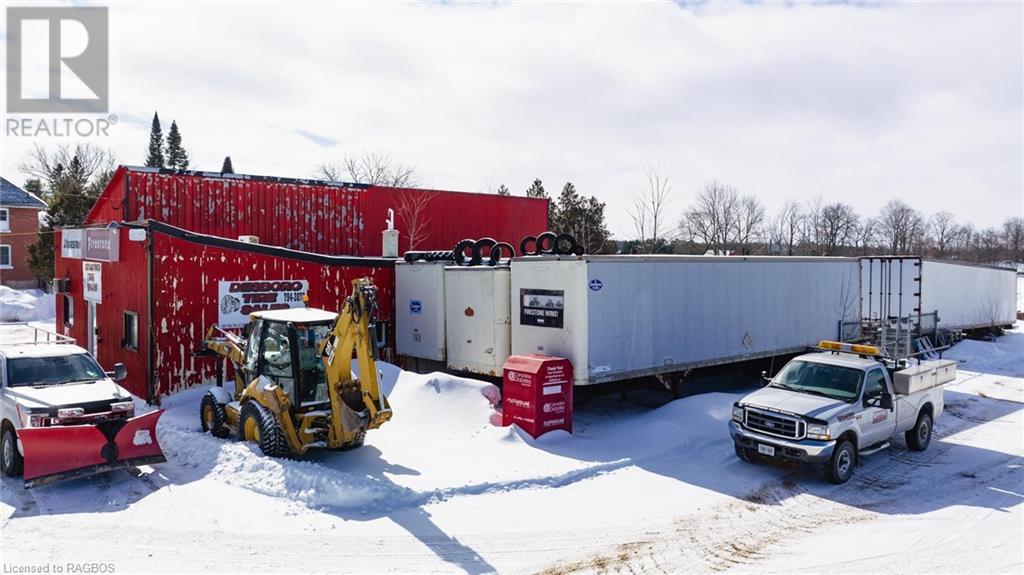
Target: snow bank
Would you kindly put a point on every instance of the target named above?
(1002, 356)
(25, 305)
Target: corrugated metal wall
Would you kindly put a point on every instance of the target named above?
(310, 215)
(124, 289)
(186, 277)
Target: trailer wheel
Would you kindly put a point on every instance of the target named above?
(11, 457)
(257, 424)
(919, 436)
(839, 469)
(213, 417)
(745, 454)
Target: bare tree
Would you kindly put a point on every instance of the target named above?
(714, 217)
(749, 224)
(785, 227)
(411, 209)
(943, 229)
(370, 168)
(900, 226)
(91, 163)
(837, 225)
(650, 222)
(866, 235)
(1013, 231)
(810, 229)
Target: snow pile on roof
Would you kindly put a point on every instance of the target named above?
(25, 305)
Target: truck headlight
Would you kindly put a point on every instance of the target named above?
(122, 406)
(818, 431)
(737, 413)
(70, 412)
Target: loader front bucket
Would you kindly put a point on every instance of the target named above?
(69, 451)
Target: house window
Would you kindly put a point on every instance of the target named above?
(131, 330)
(5, 220)
(5, 256)
(69, 311)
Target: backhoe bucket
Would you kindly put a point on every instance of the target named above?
(69, 451)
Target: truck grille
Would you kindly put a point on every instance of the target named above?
(775, 424)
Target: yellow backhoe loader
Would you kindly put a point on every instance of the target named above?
(294, 385)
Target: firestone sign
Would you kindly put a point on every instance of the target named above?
(237, 299)
(101, 244)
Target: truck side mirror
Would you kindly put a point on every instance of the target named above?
(765, 380)
(120, 372)
(885, 401)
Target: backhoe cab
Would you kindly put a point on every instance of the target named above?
(294, 386)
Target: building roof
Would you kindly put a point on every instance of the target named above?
(11, 195)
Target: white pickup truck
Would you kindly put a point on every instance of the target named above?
(61, 415)
(831, 407)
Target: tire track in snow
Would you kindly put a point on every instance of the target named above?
(739, 533)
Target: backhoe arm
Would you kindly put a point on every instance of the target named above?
(353, 332)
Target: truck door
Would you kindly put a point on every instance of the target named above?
(876, 423)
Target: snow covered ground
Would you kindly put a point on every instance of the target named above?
(25, 305)
(639, 486)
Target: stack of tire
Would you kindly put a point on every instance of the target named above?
(550, 244)
(485, 251)
(490, 252)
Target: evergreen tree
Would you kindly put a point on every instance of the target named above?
(177, 157)
(503, 190)
(226, 167)
(34, 186)
(72, 193)
(155, 157)
(582, 217)
(536, 190)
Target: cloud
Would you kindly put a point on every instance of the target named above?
(852, 103)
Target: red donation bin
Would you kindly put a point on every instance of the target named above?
(537, 393)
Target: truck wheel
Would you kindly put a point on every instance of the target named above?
(12, 461)
(257, 424)
(213, 417)
(745, 454)
(919, 436)
(839, 469)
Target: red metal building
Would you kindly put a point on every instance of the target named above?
(144, 293)
(332, 218)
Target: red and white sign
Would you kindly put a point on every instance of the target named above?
(537, 393)
(237, 299)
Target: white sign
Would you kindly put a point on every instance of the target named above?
(237, 299)
(71, 243)
(92, 281)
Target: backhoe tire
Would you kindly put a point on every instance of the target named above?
(213, 417)
(13, 464)
(919, 436)
(256, 423)
(839, 469)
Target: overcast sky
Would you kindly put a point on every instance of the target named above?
(853, 103)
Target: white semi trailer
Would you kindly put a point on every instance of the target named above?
(623, 317)
(963, 296)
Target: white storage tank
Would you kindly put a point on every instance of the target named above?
(477, 317)
(622, 317)
(419, 310)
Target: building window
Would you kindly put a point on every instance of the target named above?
(5, 256)
(69, 311)
(131, 330)
(5, 220)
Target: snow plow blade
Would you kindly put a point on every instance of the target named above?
(70, 451)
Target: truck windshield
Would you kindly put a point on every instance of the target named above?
(820, 379)
(37, 371)
(313, 387)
